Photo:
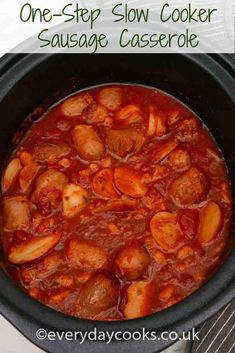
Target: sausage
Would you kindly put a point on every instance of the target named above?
(129, 182)
(87, 142)
(132, 261)
(33, 249)
(179, 160)
(103, 184)
(187, 129)
(75, 105)
(98, 294)
(16, 213)
(190, 188)
(97, 113)
(139, 298)
(86, 255)
(10, 174)
(111, 98)
(124, 142)
(50, 150)
(165, 230)
(74, 198)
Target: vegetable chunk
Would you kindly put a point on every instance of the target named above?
(163, 149)
(132, 261)
(75, 106)
(139, 298)
(33, 249)
(16, 213)
(165, 230)
(103, 184)
(86, 255)
(111, 98)
(129, 182)
(27, 175)
(130, 114)
(87, 142)
(50, 150)
(74, 200)
(190, 188)
(210, 222)
(11, 174)
(98, 294)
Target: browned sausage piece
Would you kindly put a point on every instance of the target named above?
(124, 142)
(87, 142)
(86, 255)
(190, 188)
(111, 98)
(16, 213)
(132, 261)
(50, 150)
(98, 294)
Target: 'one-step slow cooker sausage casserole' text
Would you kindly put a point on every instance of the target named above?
(115, 204)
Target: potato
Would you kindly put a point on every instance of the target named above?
(163, 149)
(187, 129)
(121, 205)
(128, 181)
(98, 294)
(16, 213)
(33, 249)
(75, 105)
(132, 261)
(10, 174)
(85, 254)
(157, 122)
(139, 300)
(52, 179)
(27, 175)
(130, 114)
(190, 188)
(111, 98)
(87, 142)
(50, 150)
(103, 184)
(74, 198)
(210, 222)
(165, 230)
(124, 142)
(179, 160)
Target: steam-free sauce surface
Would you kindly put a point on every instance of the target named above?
(115, 205)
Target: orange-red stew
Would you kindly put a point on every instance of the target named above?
(116, 204)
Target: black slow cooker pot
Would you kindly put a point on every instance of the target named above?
(204, 83)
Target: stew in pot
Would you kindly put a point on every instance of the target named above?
(115, 205)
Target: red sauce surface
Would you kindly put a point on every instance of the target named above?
(132, 216)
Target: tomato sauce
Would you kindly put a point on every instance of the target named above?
(116, 204)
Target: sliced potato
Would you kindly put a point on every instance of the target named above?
(98, 294)
(27, 176)
(50, 150)
(132, 261)
(190, 188)
(165, 230)
(121, 205)
(210, 222)
(87, 142)
(103, 184)
(157, 122)
(128, 181)
(16, 213)
(74, 200)
(130, 114)
(124, 142)
(11, 174)
(33, 249)
(139, 299)
(111, 98)
(74, 106)
(85, 254)
(163, 149)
